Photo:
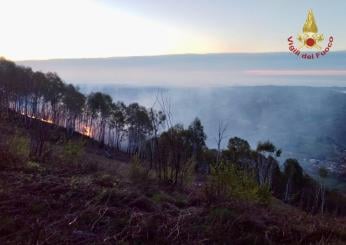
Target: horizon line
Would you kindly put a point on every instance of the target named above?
(161, 55)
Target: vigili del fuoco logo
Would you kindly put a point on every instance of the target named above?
(311, 41)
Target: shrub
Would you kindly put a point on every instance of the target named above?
(106, 180)
(38, 207)
(15, 152)
(220, 215)
(138, 173)
(229, 181)
(187, 173)
(19, 146)
(8, 225)
(73, 151)
(89, 166)
(160, 197)
(264, 195)
(32, 166)
(8, 160)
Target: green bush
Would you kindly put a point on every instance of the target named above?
(73, 151)
(160, 197)
(15, 152)
(33, 167)
(19, 146)
(138, 173)
(186, 176)
(264, 195)
(9, 160)
(229, 181)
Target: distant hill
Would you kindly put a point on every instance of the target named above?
(196, 70)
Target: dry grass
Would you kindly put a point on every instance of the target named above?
(59, 208)
(56, 203)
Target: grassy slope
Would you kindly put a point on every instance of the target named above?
(57, 203)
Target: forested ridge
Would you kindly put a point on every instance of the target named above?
(52, 132)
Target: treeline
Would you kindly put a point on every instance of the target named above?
(44, 96)
(138, 130)
(289, 184)
(170, 151)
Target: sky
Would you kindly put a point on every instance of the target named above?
(48, 29)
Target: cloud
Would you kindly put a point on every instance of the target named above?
(296, 72)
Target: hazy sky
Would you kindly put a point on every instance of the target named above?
(44, 29)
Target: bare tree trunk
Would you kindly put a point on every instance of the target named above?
(287, 190)
(323, 193)
(317, 197)
(222, 128)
